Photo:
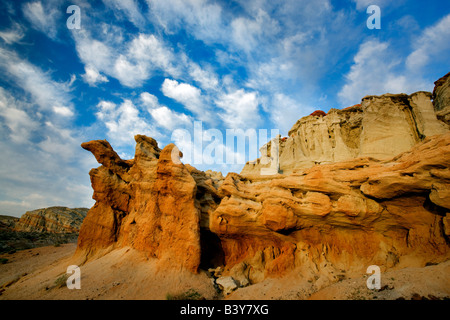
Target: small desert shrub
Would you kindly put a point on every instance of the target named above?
(191, 294)
(61, 281)
(3, 260)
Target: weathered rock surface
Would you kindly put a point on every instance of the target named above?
(357, 209)
(52, 219)
(227, 284)
(347, 215)
(380, 127)
(148, 203)
(441, 98)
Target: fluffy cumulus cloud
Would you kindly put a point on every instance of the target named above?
(189, 96)
(130, 62)
(123, 121)
(240, 109)
(92, 76)
(248, 32)
(163, 116)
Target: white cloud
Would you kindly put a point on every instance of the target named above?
(206, 78)
(407, 23)
(42, 162)
(42, 18)
(131, 65)
(183, 93)
(94, 53)
(189, 96)
(201, 18)
(378, 67)
(130, 8)
(123, 122)
(376, 71)
(164, 117)
(169, 119)
(62, 111)
(240, 109)
(285, 111)
(246, 32)
(47, 94)
(432, 45)
(92, 76)
(13, 35)
(149, 100)
(15, 118)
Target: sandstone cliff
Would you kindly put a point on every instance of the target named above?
(380, 127)
(52, 219)
(361, 206)
(441, 98)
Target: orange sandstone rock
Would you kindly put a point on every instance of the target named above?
(148, 204)
(317, 220)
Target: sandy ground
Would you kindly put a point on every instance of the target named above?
(128, 274)
(431, 282)
(23, 263)
(120, 274)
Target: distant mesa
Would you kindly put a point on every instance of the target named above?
(52, 219)
(7, 223)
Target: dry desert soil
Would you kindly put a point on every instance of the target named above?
(40, 273)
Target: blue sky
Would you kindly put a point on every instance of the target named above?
(156, 67)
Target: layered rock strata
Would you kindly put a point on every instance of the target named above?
(441, 98)
(52, 219)
(380, 127)
(333, 219)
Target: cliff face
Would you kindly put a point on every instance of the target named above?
(148, 203)
(345, 215)
(380, 127)
(441, 98)
(53, 219)
(356, 209)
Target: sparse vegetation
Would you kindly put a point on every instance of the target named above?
(12, 241)
(61, 281)
(191, 294)
(3, 260)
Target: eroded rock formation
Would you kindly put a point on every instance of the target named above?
(441, 98)
(380, 127)
(356, 209)
(148, 203)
